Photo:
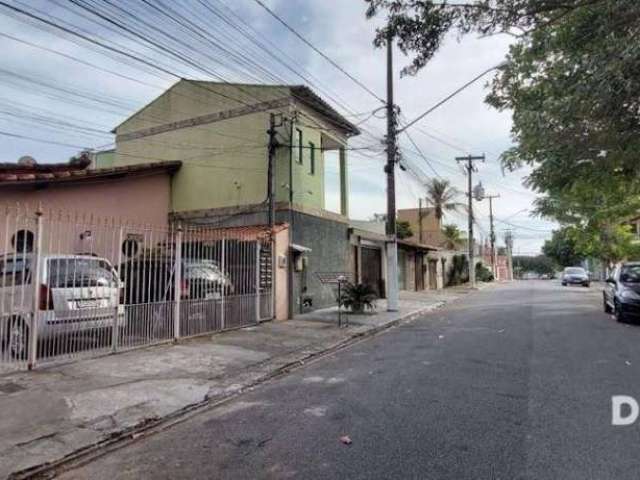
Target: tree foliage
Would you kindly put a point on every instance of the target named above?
(562, 248)
(571, 79)
(403, 229)
(540, 264)
(441, 195)
(452, 237)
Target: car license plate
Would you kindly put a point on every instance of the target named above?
(81, 304)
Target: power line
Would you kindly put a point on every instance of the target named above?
(318, 51)
(450, 96)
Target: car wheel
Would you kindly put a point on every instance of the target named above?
(606, 307)
(617, 311)
(586, 285)
(17, 339)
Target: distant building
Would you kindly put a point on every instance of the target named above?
(425, 226)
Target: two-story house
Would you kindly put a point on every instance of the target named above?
(219, 133)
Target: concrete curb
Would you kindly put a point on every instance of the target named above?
(149, 427)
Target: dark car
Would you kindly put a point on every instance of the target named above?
(621, 294)
(575, 276)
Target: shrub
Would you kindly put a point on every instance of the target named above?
(483, 274)
(459, 272)
(357, 297)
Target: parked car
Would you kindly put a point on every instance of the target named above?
(575, 276)
(150, 280)
(621, 295)
(77, 293)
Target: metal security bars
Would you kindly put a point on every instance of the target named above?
(76, 286)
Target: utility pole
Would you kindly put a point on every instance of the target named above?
(392, 243)
(470, 168)
(420, 220)
(492, 237)
(508, 240)
(271, 180)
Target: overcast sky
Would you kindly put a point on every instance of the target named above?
(91, 92)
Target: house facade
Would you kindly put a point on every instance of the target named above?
(219, 133)
(80, 205)
(419, 265)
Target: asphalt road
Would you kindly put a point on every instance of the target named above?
(514, 382)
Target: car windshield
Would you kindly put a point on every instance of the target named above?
(66, 272)
(630, 274)
(574, 271)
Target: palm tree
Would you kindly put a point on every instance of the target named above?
(452, 237)
(442, 197)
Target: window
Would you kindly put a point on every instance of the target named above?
(73, 272)
(22, 241)
(312, 158)
(299, 144)
(14, 271)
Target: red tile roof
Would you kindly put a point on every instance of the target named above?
(44, 174)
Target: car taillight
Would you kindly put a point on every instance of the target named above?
(46, 298)
(184, 289)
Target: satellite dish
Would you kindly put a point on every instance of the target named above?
(27, 161)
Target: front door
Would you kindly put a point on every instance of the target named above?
(419, 271)
(372, 269)
(433, 274)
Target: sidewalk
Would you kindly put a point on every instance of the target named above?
(50, 413)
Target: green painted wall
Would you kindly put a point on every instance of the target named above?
(225, 162)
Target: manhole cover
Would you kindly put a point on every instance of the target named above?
(10, 388)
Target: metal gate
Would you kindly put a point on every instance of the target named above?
(74, 286)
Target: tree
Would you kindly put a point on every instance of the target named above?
(452, 236)
(403, 229)
(562, 248)
(539, 264)
(571, 80)
(441, 195)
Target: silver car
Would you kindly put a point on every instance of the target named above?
(575, 276)
(76, 293)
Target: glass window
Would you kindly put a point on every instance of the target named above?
(14, 271)
(630, 274)
(22, 241)
(299, 144)
(574, 271)
(70, 272)
(312, 158)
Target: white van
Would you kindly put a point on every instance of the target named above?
(77, 293)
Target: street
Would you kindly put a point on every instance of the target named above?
(515, 381)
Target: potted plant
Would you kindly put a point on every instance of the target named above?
(358, 297)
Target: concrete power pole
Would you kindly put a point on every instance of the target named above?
(271, 180)
(492, 237)
(508, 240)
(392, 245)
(420, 236)
(470, 168)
